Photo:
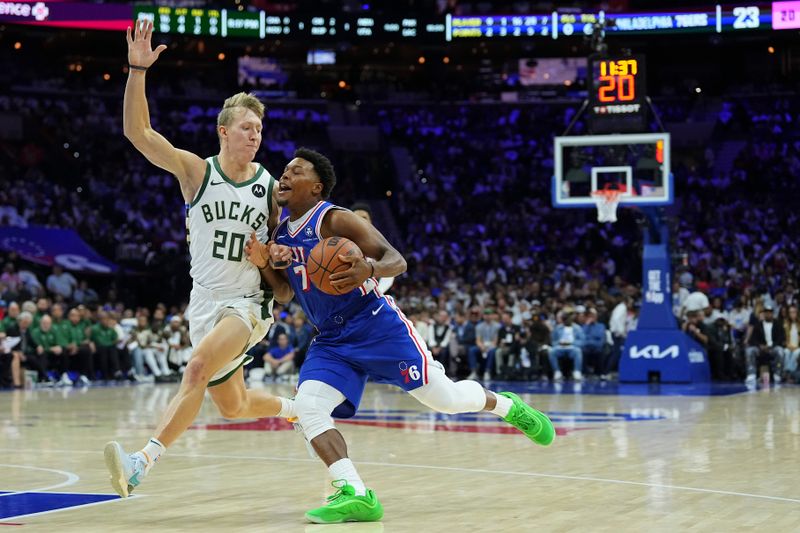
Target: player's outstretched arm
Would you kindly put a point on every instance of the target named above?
(186, 166)
(388, 261)
(264, 256)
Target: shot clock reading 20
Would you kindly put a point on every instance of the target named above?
(617, 91)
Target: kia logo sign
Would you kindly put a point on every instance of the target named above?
(654, 351)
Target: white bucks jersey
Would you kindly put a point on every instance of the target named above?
(220, 220)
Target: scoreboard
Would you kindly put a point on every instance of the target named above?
(617, 96)
(181, 20)
(562, 23)
(261, 25)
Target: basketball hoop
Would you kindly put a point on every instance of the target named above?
(607, 200)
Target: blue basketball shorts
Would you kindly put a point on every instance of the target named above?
(379, 343)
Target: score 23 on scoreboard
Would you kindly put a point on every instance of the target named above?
(617, 93)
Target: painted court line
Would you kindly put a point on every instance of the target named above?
(71, 478)
(131, 497)
(458, 469)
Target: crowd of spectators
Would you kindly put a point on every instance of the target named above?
(500, 284)
(60, 333)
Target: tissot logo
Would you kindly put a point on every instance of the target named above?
(653, 351)
(39, 10)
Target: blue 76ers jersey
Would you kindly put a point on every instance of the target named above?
(325, 311)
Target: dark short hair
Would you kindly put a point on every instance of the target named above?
(322, 166)
(362, 206)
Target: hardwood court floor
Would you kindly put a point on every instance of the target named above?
(623, 461)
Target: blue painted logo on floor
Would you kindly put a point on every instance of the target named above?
(18, 504)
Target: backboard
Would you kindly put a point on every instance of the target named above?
(637, 163)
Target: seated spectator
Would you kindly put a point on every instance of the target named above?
(279, 360)
(158, 344)
(303, 333)
(31, 286)
(42, 308)
(465, 336)
(49, 350)
(78, 346)
(439, 338)
(694, 326)
(791, 329)
(281, 325)
(720, 347)
(12, 282)
(422, 323)
(537, 337)
(26, 349)
(10, 359)
(85, 294)
(739, 318)
(486, 340)
(61, 283)
(10, 320)
(509, 344)
(595, 345)
(766, 345)
(567, 342)
(123, 336)
(104, 337)
(177, 337)
(140, 351)
(618, 325)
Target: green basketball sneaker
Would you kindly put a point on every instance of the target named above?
(534, 424)
(345, 506)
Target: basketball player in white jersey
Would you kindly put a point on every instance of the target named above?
(229, 197)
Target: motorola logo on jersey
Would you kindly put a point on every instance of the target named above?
(259, 190)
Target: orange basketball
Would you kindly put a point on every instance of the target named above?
(324, 261)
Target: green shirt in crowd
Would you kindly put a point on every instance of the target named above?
(45, 339)
(74, 333)
(103, 336)
(61, 329)
(37, 317)
(7, 323)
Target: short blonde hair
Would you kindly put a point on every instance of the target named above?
(239, 100)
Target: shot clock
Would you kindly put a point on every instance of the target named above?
(617, 96)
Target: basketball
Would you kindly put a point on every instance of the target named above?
(324, 261)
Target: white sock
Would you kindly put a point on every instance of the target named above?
(503, 405)
(344, 469)
(287, 408)
(152, 451)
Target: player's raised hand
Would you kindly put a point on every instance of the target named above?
(354, 276)
(256, 251)
(140, 51)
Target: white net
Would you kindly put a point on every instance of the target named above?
(607, 202)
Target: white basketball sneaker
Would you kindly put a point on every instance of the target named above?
(127, 470)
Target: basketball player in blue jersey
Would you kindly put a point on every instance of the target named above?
(362, 334)
(229, 196)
